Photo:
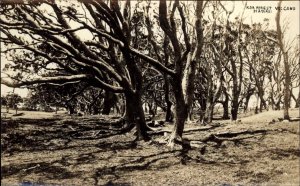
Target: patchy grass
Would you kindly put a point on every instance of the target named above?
(42, 149)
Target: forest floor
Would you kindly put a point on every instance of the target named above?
(49, 149)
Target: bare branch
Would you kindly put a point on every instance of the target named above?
(56, 79)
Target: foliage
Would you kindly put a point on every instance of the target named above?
(13, 100)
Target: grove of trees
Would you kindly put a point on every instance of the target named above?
(183, 57)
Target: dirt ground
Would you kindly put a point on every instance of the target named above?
(50, 149)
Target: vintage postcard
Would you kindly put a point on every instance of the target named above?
(149, 92)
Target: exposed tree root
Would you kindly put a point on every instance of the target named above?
(231, 136)
(234, 134)
(128, 128)
(164, 130)
(219, 138)
(174, 139)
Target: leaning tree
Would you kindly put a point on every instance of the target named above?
(89, 42)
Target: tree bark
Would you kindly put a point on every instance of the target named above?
(226, 110)
(135, 115)
(209, 112)
(181, 113)
(287, 76)
(183, 88)
(235, 91)
(234, 108)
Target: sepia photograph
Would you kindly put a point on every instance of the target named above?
(150, 92)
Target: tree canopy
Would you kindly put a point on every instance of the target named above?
(161, 53)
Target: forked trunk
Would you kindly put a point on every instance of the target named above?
(277, 104)
(183, 92)
(263, 103)
(183, 80)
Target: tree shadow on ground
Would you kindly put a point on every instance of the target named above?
(47, 169)
(56, 134)
(255, 178)
(34, 135)
(139, 163)
(261, 174)
(49, 134)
